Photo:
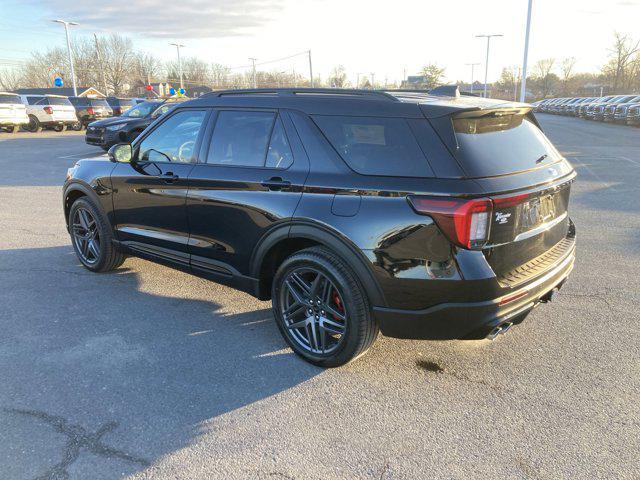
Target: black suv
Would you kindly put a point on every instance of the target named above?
(90, 109)
(125, 128)
(415, 214)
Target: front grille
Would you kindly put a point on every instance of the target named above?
(540, 264)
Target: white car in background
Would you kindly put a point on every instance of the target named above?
(49, 111)
(13, 113)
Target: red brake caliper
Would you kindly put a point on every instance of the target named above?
(338, 303)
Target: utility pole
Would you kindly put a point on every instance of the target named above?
(523, 87)
(516, 76)
(486, 63)
(358, 80)
(310, 68)
(73, 72)
(253, 75)
(373, 80)
(178, 46)
(472, 65)
(104, 79)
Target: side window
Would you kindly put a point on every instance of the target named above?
(174, 140)
(35, 100)
(279, 154)
(240, 138)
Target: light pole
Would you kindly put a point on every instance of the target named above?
(486, 63)
(178, 46)
(73, 72)
(472, 65)
(310, 68)
(523, 86)
(253, 74)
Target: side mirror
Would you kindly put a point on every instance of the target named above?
(121, 153)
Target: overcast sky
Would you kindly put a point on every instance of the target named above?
(364, 36)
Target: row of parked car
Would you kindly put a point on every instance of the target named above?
(37, 112)
(624, 109)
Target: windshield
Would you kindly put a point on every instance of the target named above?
(141, 110)
(10, 99)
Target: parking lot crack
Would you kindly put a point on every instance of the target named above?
(78, 439)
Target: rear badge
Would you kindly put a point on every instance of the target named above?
(502, 218)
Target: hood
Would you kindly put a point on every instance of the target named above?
(108, 122)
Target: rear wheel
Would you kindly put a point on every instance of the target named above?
(320, 308)
(12, 129)
(91, 237)
(60, 128)
(76, 126)
(34, 124)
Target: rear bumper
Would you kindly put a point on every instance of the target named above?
(449, 321)
(14, 120)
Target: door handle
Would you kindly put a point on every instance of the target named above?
(276, 183)
(169, 177)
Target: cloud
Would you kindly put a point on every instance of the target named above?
(181, 19)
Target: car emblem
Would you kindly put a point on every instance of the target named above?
(502, 218)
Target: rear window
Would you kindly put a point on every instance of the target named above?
(98, 102)
(498, 144)
(58, 101)
(10, 99)
(375, 145)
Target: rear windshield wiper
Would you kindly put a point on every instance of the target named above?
(541, 159)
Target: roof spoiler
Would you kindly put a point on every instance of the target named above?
(446, 91)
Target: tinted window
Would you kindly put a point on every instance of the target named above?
(10, 99)
(98, 102)
(279, 153)
(375, 146)
(498, 144)
(174, 140)
(36, 100)
(141, 110)
(240, 138)
(58, 101)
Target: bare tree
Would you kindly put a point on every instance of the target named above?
(194, 71)
(433, 75)
(10, 79)
(618, 68)
(566, 69)
(119, 61)
(338, 77)
(219, 75)
(542, 71)
(146, 68)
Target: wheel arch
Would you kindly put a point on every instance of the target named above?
(288, 239)
(73, 192)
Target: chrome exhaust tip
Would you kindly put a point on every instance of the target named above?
(499, 330)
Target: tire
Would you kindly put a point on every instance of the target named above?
(34, 124)
(76, 126)
(108, 257)
(359, 328)
(13, 129)
(60, 128)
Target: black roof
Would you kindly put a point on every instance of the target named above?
(402, 103)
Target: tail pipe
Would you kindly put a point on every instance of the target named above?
(499, 330)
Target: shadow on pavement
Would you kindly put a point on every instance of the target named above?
(110, 370)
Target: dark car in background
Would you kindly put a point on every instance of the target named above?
(90, 109)
(125, 128)
(618, 112)
(419, 215)
(120, 105)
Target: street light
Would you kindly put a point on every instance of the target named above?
(473, 65)
(486, 63)
(178, 46)
(523, 85)
(73, 72)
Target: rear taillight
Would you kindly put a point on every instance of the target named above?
(117, 111)
(465, 222)
(48, 110)
(91, 111)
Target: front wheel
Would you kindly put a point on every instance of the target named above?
(91, 237)
(321, 309)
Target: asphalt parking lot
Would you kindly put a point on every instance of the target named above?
(151, 373)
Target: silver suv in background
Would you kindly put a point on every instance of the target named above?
(13, 113)
(49, 111)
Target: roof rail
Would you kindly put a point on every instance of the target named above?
(378, 94)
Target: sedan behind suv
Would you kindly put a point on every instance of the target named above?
(120, 105)
(90, 109)
(125, 128)
(49, 111)
(13, 113)
(422, 216)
